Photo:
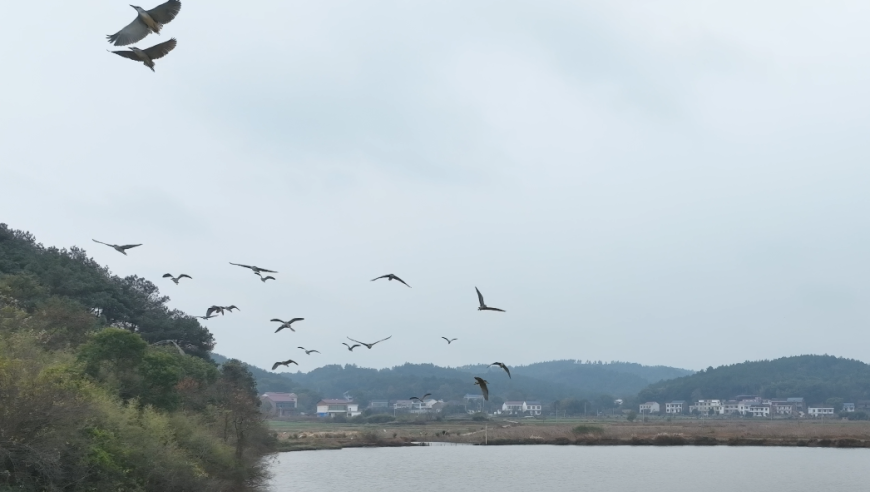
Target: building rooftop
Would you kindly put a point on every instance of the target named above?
(513, 403)
(334, 402)
(279, 396)
(533, 403)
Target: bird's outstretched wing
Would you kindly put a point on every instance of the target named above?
(311, 351)
(94, 240)
(382, 276)
(134, 32)
(275, 365)
(167, 275)
(424, 396)
(164, 13)
(483, 389)
(160, 50)
(295, 320)
(500, 364)
(184, 275)
(230, 308)
(243, 266)
(448, 341)
(276, 319)
(132, 56)
(494, 309)
(382, 340)
(352, 340)
(400, 280)
(480, 297)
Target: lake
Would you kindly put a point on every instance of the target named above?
(557, 468)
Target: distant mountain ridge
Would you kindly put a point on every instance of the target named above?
(544, 381)
(816, 378)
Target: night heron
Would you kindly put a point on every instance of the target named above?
(308, 352)
(257, 270)
(483, 389)
(350, 347)
(450, 340)
(390, 276)
(483, 306)
(499, 364)
(421, 398)
(370, 345)
(120, 249)
(146, 22)
(176, 279)
(148, 55)
(285, 363)
(286, 324)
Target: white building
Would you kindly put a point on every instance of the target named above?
(758, 410)
(650, 407)
(532, 407)
(675, 406)
(848, 407)
(522, 407)
(330, 408)
(705, 406)
(821, 411)
(729, 407)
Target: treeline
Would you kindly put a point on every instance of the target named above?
(87, 402)
(816, 378)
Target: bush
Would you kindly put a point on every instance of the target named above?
(587, 429)
(479, 417)
(631, 416)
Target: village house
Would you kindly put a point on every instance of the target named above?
(649, 407)
(704, 407)
(729, 407)
(331, 408)
(521, 407)
(278, 404)
(758, 410)
(848, 407)
(821, 411)
(675, 406)
(532, 407)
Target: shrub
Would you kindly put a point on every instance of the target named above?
(587, 429)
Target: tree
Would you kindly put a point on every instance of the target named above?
(631, 416)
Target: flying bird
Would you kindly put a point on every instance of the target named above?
(257, 270)
(499, 364)
(120, 249)
(483, 389)
(390, 276)
(263, 279)
(286, 324)
(208, 315)
(350, 347)
(173, 342)
(176, 279)
(308, 352)
(220, 309)
(285, 363)
(146, 22)
(421, 398)
(369, 345)
(450, 340)
(148, 55)
(483, 306)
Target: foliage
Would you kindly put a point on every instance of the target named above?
(632, 415)
(587, 429)
(816, 378)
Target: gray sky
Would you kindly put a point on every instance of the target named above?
(673, 182)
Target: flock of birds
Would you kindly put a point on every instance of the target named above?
(215, 311)
(146, 22)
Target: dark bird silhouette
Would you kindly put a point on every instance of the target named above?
(220, 309)
(369, 345)
(146, 22)
(263, 279)
(208, 315)
(173, 342)
(390, 276)
(176, 279)
(285, 363)
(230, 308)
(286, 324)
(120, 249)
(350, 347)
(148, 55)
(450, 340)
(499, 364)
(483, 306)
(483, 389)
(308, 352)
(257, 270)
(421, 398)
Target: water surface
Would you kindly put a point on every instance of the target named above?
(558, 468)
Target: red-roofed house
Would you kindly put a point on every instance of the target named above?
(278, 404)
(328, 408)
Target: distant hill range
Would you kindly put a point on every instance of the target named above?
(813, 377)
(544, 381)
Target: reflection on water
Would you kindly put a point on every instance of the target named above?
(558, 468)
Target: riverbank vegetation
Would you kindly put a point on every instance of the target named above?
(88, 402)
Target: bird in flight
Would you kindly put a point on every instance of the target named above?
(120, 249)
(420, 399)
(285, 363)
(148, 55)
(176, 279)
(500, 364)
(483, 389)
(369, 345)
(207, 316)
(308, 352)
(483, 306)
(263, 279)
(257, 270)
(173, 342)
(220, 309)
(286, 324)
(390, 276)
(350, 347)
(146, 22)
(450, 340)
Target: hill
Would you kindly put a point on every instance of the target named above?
(546, 381)
(816, 378)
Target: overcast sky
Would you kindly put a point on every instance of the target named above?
(674, 182)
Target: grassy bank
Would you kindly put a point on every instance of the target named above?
(309, 435)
